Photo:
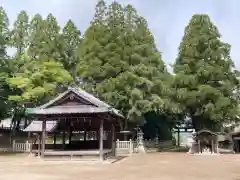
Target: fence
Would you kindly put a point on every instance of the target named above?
(121, 146)
(125, 146)
(21, 147)
(128, 147)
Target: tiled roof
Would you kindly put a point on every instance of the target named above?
(206, 131)
(100, 105)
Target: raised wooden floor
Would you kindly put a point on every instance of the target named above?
(53, 152)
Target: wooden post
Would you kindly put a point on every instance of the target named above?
(63, 139)
(70, 133)
(117, 143)
(130, 146)
(113, 140)
(199, 146)
(178, 135)
(212, 146)
(101, 140)
(43, 137)
(14, 145)
(54, 140)
(39, 141)
(85, 135)
(31, 144)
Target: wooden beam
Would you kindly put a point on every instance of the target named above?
(101, 140)
(43, 137)
(75, 116)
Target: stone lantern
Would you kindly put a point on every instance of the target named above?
(140, 144)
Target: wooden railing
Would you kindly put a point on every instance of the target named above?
(21, 147)
(128, 146)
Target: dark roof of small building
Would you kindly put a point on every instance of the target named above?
(36, 126)
(100, 105)
(206, 131)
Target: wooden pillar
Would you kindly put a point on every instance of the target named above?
(54, 140)
(113, 140)
(101, 140)
(237, 145)
(178, 135)
(63, 139)
(43, 137)
(85, 130)
(212, 146)
(38, 143)
(85, 135)
(70, 133)
(199, 146)
(31, 142)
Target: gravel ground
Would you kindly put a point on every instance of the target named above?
(152, 166)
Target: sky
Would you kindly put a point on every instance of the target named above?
(166, 18)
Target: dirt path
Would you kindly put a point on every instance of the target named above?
(155, 166)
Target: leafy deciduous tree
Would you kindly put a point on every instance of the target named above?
(38, 80)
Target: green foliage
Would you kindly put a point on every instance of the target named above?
(117, 60)
(120, 61)
(205, 79)
(38, 79)
(5, 106)
(20, 32)
(37, 74)
(45, 41)
(35, 36)
(71, 39)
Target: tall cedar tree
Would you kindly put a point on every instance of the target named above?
(71, 39)
(120, 61)
(205, 79)
(35, 31)
(20, 32)
(91, 53)
(4, 64)
(45, 41)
